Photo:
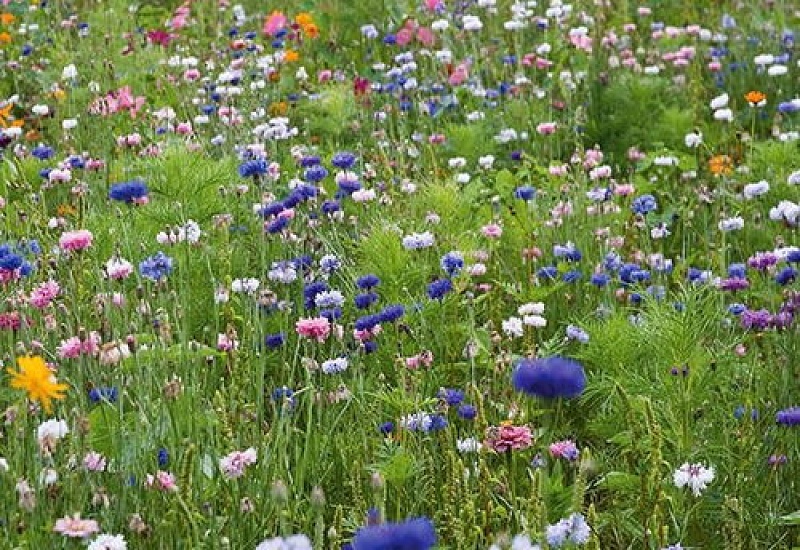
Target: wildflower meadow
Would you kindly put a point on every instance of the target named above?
(400, 274)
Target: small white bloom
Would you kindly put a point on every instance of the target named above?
(513, 327)
(731, 224)
(695, 476)
(752, 190)
(720, 102)
(468, 445)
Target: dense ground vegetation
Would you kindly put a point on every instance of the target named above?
(441, 274)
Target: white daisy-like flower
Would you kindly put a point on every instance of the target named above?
(695, 476)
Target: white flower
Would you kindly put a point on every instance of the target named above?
(695, 476)
(245, 285)
(777, 70)
(794, 178)
(3, 465)
(472, 23)
(665, 161)
(720, 102)
(731, 224)
(693, 139)
(725, 115)
(752, 190)
(108, 542)
(333, 366)
(532, 308)
(457, 162)
(468, 445)
(69, 123)
(764, 59)
(294, 542)
(40, 110)
(513, 327)
(486, 162)
(69, 72)
(52, 429)
(785, 211)
(535, 321)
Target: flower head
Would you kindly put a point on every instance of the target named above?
(695, 476)
(38, 380)
(550, 377)
(412, 534)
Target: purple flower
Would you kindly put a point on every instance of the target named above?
(412, 534)
(788, 417)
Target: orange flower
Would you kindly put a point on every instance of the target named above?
(63, 210)
(7, 18)
(36, 378)
(311, 30)
(7, 120)
(756, 98)
(5, 38)
(304, 19)
(291, 56)
(278, 109)
(720, 165)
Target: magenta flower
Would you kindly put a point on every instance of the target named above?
(75, 240)
(318, 328)
(508, 438)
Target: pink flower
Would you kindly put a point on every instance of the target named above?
(75, 240)
(43, 295)
(547, 128)
(162, 481)
(492, 231)
(432, 5)
(508, 438)
(94, 462)
(404, 36)
(234, 464)
(318, 328)
(76, 527)
(274, 23)
(426, 37)
(564, 449)
(69, 348)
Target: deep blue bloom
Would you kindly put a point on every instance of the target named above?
(282, 393)
(43, 152)
(349, 186)
(367, 282)
(737, 271)
(786, 275)
(788, 417)
(343, 160)
(156, 267)
(316, 174)
(438, 422)
(253, 168)
(451, 396)
(97, 395)
(793, 257)
(272, 209)
(310, 292)
(370, 346)
(549, 272)
(363, 301)
(644, 204)
(525, 193)
(277, 225)
(293, 200)
(392, 313)
(10, 261)
(437, 289)
(467, 412)
(452, 263)
(368, 322)
(600, 279)
(331, 314)
(274, 341)
(411, 534)
(788, 107)
(329, 207)
(389, 39)
(572, 276)
(128, 191)
(516, 155)
(386, 428)
(163, 457)
(737, 309)
(569, 252)
(550, 377)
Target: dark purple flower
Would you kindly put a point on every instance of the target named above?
(551, 377)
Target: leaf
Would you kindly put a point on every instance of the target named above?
(208, 466)
(790, 519)
(620, 481)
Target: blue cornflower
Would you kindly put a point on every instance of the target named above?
(272, 209)
(329, 207)
(644, 204)
(274, 341)
(331, 314)
(788, 417)
(329, 299)
(549, 377)
(737, 309)
(575, 332)
(109, 394)
(43, 152)
(310, 292)
(786, 275)
(363, 301)
(277, 225)
(467, 412)
(329, 263)
(163, 457)
(309, 161)
(572, 276)
(156, 267)
(368, 322)
(568, 252)
(451, 396)
(438, 423)
(386, 428)
(452, 263)
(439, 288)
(548, 272)
(129, 191)
(525, 193)
(600, 279)
(10, 261)
(391, 313)
(367, 282)
(343, 160)
(737, 271)
(253, 168)
(315, 174)
(411, 534)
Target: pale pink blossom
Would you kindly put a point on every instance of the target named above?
(76, 527)
(234, 464)
(318, 328)
(75, 240)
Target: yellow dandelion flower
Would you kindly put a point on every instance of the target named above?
(38, 380)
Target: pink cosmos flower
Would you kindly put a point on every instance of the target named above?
(404, 36)
(547, 128)
(432, 5)
(75, 240)
(235, 463)
(76, 527)
(508, 438)
(564, 449)
(318, 328)
(426, 37)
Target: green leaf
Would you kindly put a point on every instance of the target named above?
(790, 519)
